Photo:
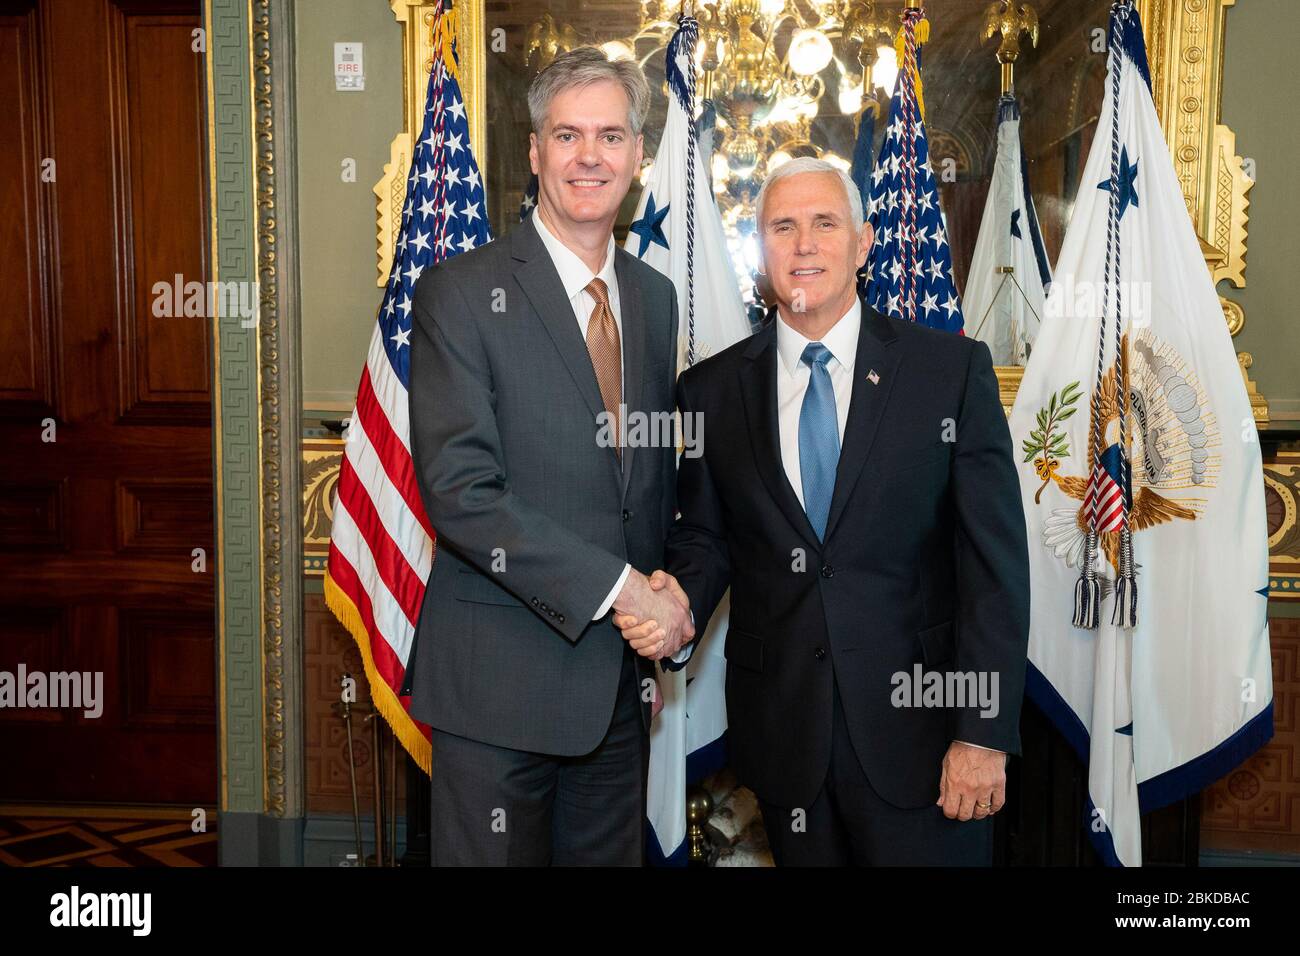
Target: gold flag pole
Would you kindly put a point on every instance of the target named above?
(1005, 18)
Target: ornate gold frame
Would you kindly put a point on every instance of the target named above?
(1185, 50)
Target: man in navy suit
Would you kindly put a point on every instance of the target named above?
(858, 495)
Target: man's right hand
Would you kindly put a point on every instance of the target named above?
(654, 614)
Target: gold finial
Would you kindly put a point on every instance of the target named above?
(547, 40)
(1005, 18)
(865, 26)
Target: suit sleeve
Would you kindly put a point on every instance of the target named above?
(992, 558)
(460, 469)
(697, 552)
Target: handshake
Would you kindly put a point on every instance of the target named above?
(654, 614)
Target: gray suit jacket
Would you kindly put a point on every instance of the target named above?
(534, 518)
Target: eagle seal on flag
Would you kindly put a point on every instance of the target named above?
(1173, 445)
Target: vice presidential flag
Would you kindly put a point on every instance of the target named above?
(1008, 274)
(381, 544)
(909, 269)
(1143, 488)
(678, 230)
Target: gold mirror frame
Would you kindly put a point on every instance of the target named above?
(1185, 50)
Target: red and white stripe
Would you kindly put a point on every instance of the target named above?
(381, 547)
(1104, 501)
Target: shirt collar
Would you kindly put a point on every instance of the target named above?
(574, 273)
(841, 340)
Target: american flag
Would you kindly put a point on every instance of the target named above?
(909, 270)
(382, 545)
(1108, 491)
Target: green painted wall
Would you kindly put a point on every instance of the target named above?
(1260, 91)
(336, 219)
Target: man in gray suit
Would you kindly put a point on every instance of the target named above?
(527, 357)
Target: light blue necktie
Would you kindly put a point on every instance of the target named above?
(819, 439)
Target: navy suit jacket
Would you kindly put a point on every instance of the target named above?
(925, 561)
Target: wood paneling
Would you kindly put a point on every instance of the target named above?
(328, 653)
(167, 669)
(157, 88)
(105, 407)
(33, 637)
(165, 516)
(33, 515)
(25, 356)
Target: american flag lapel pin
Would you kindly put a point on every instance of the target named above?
(873, 378)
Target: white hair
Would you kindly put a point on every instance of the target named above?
(810, 164)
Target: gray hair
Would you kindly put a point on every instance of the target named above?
(810, 164)
(580, 67)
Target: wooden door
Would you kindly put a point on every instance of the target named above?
(107, 555)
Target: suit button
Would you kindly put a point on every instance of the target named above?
(828, 571)
(627, 515)
(534, 602)
(820, 653)
(560, 618)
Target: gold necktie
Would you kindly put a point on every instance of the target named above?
(606, 355)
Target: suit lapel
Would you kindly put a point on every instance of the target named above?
(541, 283)
(538, 277)
(867, 406)
(758, 391)
(633, 336)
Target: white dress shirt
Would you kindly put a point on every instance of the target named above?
(793, 375)
(575, 276)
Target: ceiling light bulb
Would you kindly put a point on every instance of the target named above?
(850, 97)
(885, 71)
(810, 51)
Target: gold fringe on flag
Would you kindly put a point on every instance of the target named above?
(922, 30)
(446, 27)
(381, 695)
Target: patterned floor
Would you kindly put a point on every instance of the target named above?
(33, 836)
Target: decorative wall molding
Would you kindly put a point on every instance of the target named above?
(237, 410)
(257, 430)
(1282, 500)
(1185, 49)
(322, 460)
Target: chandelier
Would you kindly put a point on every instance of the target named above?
(768, 66)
